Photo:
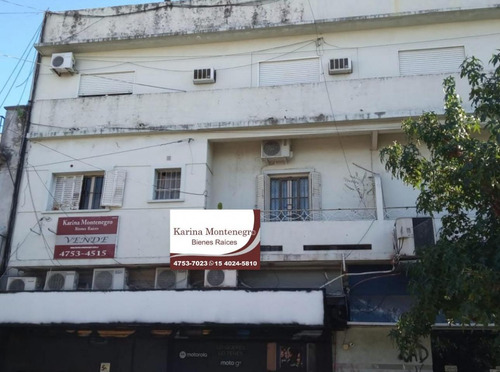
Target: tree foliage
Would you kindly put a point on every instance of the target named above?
(457, 172)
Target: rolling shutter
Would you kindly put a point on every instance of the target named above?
(289, 72)
(106, 84)
(431, 61)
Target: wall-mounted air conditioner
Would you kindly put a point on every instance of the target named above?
(275, 149)
(170, 279)
(109, 279)
(221, 278)
(411, 234)
(61, 281)
(338, 66)
(62, 63)
(204, 76)
(22, 283)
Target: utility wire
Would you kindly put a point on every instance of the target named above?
(26, 51)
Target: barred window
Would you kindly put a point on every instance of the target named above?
(167, 184)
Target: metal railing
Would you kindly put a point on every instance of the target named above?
(339, 214)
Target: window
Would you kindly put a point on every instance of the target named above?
(89, 191)
(167, 184)
(431, 61)
(289, 197)
(296, 71)
(106, 84)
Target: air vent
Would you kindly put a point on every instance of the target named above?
(20, 284)
(109, 279)
(204, 76)
(61, 281)
(169, 279)
(63, 63)
(221, 278)
(340, 66)
(276, 149)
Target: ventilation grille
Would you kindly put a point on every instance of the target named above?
(340, 66)
(204, 76)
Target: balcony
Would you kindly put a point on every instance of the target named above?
(354, 105)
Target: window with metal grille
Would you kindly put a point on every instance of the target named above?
(290, 198)
(167, 184)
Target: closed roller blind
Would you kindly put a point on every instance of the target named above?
(430, 61)
(106, 84)
(289, 72)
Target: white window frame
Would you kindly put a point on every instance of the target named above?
(263, 189)
(153, 183)
(67, 190)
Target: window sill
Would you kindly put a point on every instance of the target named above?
(75, 211)
(154, 201)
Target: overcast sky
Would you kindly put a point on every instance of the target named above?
(20, 22)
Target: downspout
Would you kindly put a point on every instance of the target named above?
(22, 158)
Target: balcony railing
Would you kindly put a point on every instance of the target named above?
(339, 214)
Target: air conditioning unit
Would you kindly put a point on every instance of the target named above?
(411, 234)
(204, 76)
(62, 63)
(170, 279)
(22, 283)
(340, 66)
(221, 278)
(275, 149)
(61, 281)
(109, 279)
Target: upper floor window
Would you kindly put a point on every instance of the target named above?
(295, 71)
(167, 184)
(105, 84)
(289, 196)
(431, 60)
(88, 191)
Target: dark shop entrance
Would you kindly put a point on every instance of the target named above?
(41, 349)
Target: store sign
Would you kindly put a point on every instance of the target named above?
(215, 239)
(86, 237)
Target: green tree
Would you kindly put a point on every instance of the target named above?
(458, 176)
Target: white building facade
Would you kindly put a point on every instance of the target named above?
(280, 106)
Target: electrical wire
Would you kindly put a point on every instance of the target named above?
(23, 60)
(21, 5)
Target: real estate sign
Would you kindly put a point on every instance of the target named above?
(215, 239)
(86, 237)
